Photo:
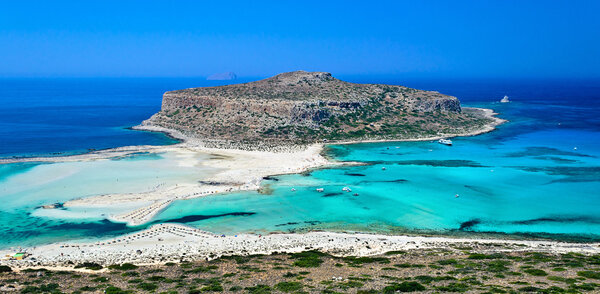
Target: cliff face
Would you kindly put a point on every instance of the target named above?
(304, 107)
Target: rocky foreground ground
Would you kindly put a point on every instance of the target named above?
(454, 269)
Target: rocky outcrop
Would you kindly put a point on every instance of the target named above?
(303, 107)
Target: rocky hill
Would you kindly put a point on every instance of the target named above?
(305, 107)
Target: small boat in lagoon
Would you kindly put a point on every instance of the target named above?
(320, 189)
(446, 142)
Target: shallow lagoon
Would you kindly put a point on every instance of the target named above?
(26, 186)
(516, 187)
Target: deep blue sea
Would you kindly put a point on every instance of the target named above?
(537, 175)
(67, 116)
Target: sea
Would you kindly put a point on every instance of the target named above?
(536, 176)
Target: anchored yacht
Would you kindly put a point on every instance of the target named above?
(445, 142)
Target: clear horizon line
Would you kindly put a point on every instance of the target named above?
(341, 76)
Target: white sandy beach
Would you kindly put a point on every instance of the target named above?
(236, 170)
(174, 243)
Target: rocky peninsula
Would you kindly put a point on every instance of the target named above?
(302, 108)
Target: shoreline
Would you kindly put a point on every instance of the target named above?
(164, 243)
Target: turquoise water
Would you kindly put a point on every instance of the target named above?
(537, 175)
(26, 186)
(517, 187)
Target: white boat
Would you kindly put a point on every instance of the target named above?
(445, 142)
(346, 189)
(320, 189)
(504, 100)
(293, 190)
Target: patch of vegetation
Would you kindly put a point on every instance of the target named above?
(358, 261)
(535, 272)
(350, 284)
(5, 269)
(89, 265)
(447, 261)
(371, 291)
(539, 257)
(123, 267)
(130, 274)
(497, 266)
(48, 288)
(584, 287)
(485, 256)
(203, 269)
(395, 252)
(212, 287)
(530, 289)
(589, 274)
(156, 278)
(115, 290)
(235, 289)
(259, 289)
(403, 287)
(428, 279)
(239, 258)
(308, 258)
(288, 287)
(454, 287)
(87, 289)
(147, 286)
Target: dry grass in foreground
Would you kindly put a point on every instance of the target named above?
(426, 271)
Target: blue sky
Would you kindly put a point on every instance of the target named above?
(261, 38)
